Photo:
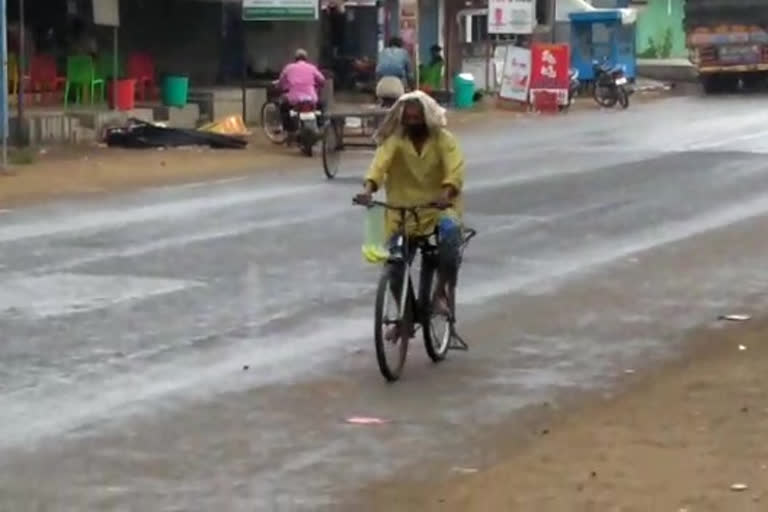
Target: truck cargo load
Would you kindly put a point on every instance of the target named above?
(728, 41)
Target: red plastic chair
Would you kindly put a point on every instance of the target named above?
(141, 67)
(43, 76)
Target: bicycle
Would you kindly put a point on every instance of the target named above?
(396, 280)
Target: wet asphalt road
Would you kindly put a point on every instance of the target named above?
(126, 322)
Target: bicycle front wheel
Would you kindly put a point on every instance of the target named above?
(391, 329)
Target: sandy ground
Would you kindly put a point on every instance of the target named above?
(675, 440)
(87, 170)
(76, 171)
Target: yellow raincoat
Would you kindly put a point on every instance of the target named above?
(412, 179)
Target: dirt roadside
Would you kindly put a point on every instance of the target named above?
(82, 171)
(675, 440)
(78, 171)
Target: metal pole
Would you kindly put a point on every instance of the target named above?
(115, 71)
(4, 81)
(244, 69)
(22, 67)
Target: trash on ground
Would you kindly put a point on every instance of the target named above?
(629, 371)
(735, 318)
(465, 471)
(138, 134)
(739, 487)
(230, 125)
(362, 420)
(742, 347)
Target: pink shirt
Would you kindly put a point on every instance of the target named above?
(302, 80)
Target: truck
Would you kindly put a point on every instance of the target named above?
(727, 42)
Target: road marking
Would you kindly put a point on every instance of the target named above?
(65, 294)
(120, 217)
(180, 241)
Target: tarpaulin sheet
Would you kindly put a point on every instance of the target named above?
(140, 134)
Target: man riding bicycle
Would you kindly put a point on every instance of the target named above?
(417, 162)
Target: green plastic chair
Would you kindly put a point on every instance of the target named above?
(81, 74)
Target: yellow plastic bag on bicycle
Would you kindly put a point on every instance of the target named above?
(374, 248)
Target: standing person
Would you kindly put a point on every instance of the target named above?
(431, 74)
(418, 162)
(393, 70)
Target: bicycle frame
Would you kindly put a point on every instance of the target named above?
(403, 256)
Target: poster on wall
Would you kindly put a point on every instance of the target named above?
(280, 10)
(106, 12)
(516, 77)
(550, 70)
(511, 16)
(409, 25)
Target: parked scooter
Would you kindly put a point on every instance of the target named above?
(574, 86)
(611, 85)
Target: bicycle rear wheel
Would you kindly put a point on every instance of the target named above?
(391, 351)
(436, 327)
(331, 149)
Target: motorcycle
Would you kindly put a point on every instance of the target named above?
(574, 85)
(304, 125)
(611, 85)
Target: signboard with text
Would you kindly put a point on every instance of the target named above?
(106, 12)
(550, 71)
(280, 10)
(550, 66)
(516, 74)
(511, 16)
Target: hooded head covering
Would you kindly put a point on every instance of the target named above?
(434, 115)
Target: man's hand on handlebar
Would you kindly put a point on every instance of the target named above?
(446, 198)
(365, 197)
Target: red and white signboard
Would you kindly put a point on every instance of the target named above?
(511, 16)
(550, 70)
(516, 76)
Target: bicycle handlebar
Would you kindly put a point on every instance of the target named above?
(427, 206)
